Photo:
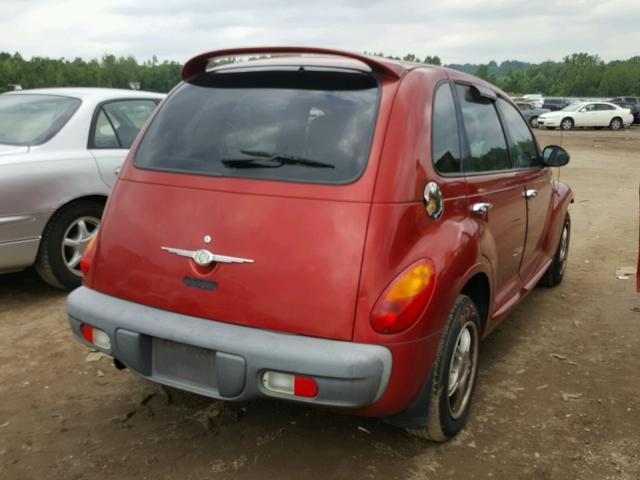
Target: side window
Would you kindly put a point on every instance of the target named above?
(604, 106)
(487, 145)
(119, 122)
(104, 136)
(445, 141)
(589, 108)
(524, 151)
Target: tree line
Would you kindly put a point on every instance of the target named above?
(110, 71)
(577, 75)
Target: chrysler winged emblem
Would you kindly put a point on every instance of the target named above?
(204, 258)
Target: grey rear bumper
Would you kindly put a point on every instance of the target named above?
(227, 361)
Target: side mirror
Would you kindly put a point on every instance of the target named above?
(555, 156)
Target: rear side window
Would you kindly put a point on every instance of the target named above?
(118, 122)
(604, 106)
(295, 124)
(104, 135)
(445, 140)
(524, 151)
(487, 144)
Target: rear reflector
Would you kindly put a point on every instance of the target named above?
(305, 387)
(96, 337)
(289, 384)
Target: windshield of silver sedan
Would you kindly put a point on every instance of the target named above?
(30, 119)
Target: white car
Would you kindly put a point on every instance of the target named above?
(587, 114)
(60, 152)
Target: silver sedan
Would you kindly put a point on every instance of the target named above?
(60, 151)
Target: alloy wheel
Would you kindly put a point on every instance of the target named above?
(462, 369)
(75, 241)
(564, 248)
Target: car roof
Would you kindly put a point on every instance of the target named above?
(592, 102)
(88, 93)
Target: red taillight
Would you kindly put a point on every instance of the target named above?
(87, 256)
(402, 303)
(305, 387)
(87, 333)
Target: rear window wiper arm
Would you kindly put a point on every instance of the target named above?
(279, 159)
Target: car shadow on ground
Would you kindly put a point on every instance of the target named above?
(23, 285)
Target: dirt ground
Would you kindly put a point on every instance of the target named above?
(558, 394)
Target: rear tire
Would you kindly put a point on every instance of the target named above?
(454, 374)
(566, 124)
(533, 122)
(554, 275)
(64, 240)
(616, 124)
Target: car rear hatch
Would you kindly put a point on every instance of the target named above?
(271, 166)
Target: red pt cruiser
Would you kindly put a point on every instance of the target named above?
(324, 227)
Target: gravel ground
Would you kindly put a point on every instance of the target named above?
(558, 393)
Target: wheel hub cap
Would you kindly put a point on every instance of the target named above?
(564, 247)
(462, 369)
(75, 241)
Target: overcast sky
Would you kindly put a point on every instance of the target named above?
(459, 31)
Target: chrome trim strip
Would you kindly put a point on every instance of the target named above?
(17, 219)
(24, 240)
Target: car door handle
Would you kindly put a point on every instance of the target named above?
(481, 208)
(117, 171)
(530, 193)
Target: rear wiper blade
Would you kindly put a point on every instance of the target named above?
(279, 159)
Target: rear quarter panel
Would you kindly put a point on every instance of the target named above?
(35, 185)
(400, 232)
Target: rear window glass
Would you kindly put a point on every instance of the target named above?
(30, 119)
(299, 124)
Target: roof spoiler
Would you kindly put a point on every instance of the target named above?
(198, 64)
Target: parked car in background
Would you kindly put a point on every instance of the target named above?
(633, 100)
(554, 104)
(531, 112)
(587, 114)
(312, 248)
(534, 98)
(60, 151)
(633, 108)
